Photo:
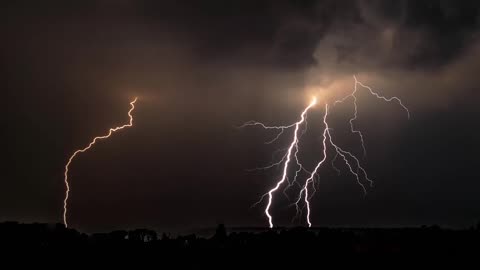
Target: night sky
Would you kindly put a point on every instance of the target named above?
(70, 68)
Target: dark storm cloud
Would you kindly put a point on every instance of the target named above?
(420, 51)
(201, 68)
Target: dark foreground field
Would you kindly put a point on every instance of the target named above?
(421, 240)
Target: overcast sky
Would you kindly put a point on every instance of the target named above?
(69, 71)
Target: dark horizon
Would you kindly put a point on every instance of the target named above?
(423, 241)
(208, 232)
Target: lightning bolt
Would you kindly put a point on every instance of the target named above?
(352, 162)
(286, 158)
(110, 132)
(355, 108)
(314, 172)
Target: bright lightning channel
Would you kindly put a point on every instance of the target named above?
(351, 161)
(287, 157)
(110, 132)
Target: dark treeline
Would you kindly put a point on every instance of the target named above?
(425, 239)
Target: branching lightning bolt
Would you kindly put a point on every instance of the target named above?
(355, 108)
(382, 97)
(110, 132)
(314, 172)
(352, 162)
(287, 157)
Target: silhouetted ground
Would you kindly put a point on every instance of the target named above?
(423, 240)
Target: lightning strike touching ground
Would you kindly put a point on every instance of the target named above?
(287, 157)
(314, 172)
(351, 161)
(110, 132)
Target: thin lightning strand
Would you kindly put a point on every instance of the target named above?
(339, 151)
(343, 153)
(382, 97)
(297, 161)
(110, 132)
(351, 161)
(352, 128)
(355, 115)
(355, 107)
(273, 164)
(312, 175)
(293, 144)
(333, 164)
(281, 128)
